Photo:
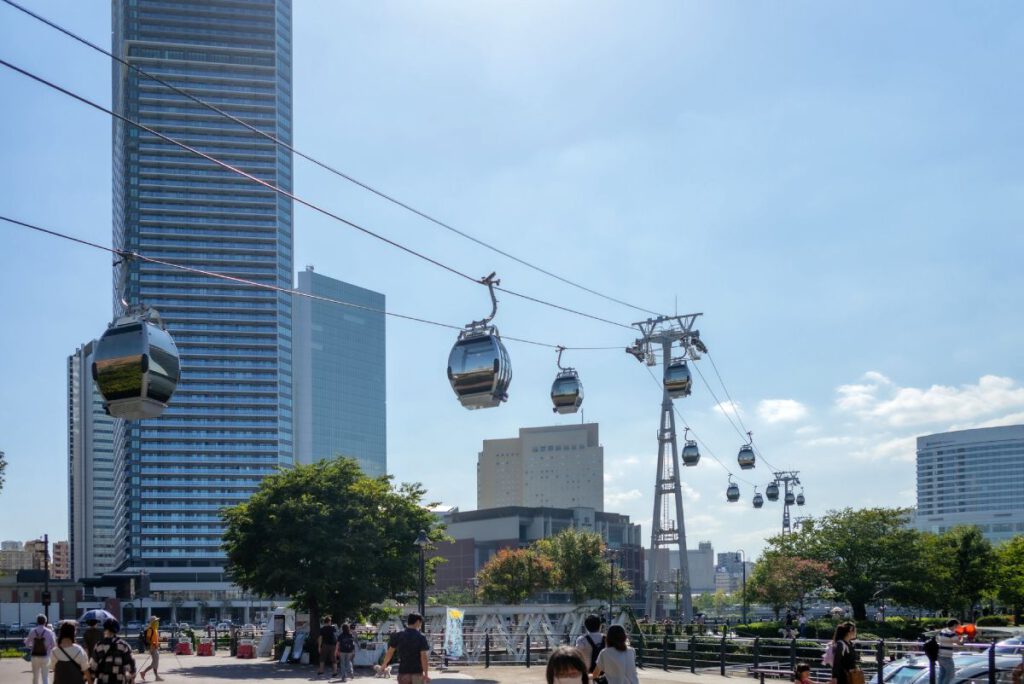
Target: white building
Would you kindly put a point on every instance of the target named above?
(90, 472)
(700, 561)
(558, 467)
(972, 477)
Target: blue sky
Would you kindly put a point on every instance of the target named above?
(838, 187)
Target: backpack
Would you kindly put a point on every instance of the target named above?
(829, 657)
(143, 644)
(595, 650)
(67, 671)
(39, 643)
(347, 643)
(931, 649)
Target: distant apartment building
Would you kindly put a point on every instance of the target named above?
(559, 467)
(15, 555)
(663, 567)
(972, 477)
(61, 567)
(339, 374)
(90, 472)
(479, 535)
(729, 572)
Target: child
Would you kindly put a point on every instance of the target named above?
(566, 666)
(803, 673)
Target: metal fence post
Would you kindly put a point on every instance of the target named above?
(487, 648)
(992, 663)
(664, 651)
(721, 652)
(792, 655)
(880, 658)
(527, 649)
(693, 653)
(931, 671)
(757, 652)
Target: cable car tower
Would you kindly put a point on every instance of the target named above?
(787, 478)
(667, 524)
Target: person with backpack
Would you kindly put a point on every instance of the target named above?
(845, 659)
(41, 641)
(347, 645)
(151, 638)
(947, 641)
(328, 646)
(69, 661)
(112, 661)
(413, 650)
(617, 663)
(591, 643)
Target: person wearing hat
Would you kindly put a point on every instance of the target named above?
(153, 645)
(112, 661)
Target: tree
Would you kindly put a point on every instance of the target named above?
(865, 549)
(1010, 574)
(580, 567)
(780, 580)
(968, 567)
(330, 537)
(453, 597)
(3, 467)
(513, 575)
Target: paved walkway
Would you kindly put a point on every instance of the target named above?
(207, 670)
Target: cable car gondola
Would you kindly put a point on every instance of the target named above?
(746, 457)
(772, 491)
(678, 381)
(790, 498)
(732, 494)
(800, 499)
(479, 367)
(566, 390)
(691, 454)
(758, 499)
(136, 366)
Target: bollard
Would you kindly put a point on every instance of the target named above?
(757, 652)
(792, 655)
(527, 649)
(693, 653)
(880, 658)
(931, 671)
(487, 648)
(992, 663)
(721, 653)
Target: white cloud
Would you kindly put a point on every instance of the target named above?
(689, 493)
(781, 410)
(728, 408)
(878, 398)
(614, 500)
(895, 449)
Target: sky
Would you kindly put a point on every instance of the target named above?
(837, 187)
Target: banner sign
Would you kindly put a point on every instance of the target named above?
(453, 633)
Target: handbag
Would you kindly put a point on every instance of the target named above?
(855, 676)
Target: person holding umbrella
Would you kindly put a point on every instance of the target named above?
(93, 632)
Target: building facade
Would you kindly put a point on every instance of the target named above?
(479, 535)
(560, 466)
(230, 421)
(700, 561)
(61, 567)
(90, 472)
(15, 556)
(340, 379)
(972, 477)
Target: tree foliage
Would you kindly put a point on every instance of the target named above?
(780, 580)
(3, 467)
(1010, 574)
(329, 537)
(512, 575)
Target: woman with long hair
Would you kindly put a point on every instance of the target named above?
(617, 661)
(845, 659)
(566, 666)
(69, 661)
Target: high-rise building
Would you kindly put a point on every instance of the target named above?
(230, 421)
(340, 393)
(972, 477)
(560, 466)
(16, 556)
(61, 568)
(90, 472)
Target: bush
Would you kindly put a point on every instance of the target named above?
(11, 653)
(995, 621)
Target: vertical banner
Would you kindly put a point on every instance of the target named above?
(453, 633)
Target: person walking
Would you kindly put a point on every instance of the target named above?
(845, 659)
(69, 661)
(41, 641)
(112, 661)
(152, 639)
(328, 646)
(592, 642)
(617, 662)
(347, 646)
(93, 635)
(412, 648)
(948, 640)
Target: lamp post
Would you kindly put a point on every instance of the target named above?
(43, 547)
(743, 563)
(611, 583)
(422, 541)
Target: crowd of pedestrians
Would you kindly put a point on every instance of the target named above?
(601, 658)
(338, 648)
(104, 657)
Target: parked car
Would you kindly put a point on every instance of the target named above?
(1012, 646)
(971, 668)
(223, 626)
(133, 626)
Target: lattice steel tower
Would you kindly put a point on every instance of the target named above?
(667, 523)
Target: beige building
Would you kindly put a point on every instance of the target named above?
(558, 467)
(15, 555)
(61, 568)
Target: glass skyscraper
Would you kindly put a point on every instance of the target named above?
(340, 394)
(230, 421)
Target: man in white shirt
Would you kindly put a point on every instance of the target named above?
(40, 641)
(591, 643)
(948, 640)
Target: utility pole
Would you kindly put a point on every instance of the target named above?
(788, 479)
(667, 525)
(46, 574)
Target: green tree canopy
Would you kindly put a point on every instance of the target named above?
(966, 567)
(780, 580)
(1010, 574)
(513, 575)
(580, 566)
(329, 537)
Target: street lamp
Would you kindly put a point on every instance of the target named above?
(43, 546)
(743, 563)
(422, 541)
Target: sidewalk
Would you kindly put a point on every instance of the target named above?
(220, 668)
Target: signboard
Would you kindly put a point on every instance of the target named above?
(453, 632)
